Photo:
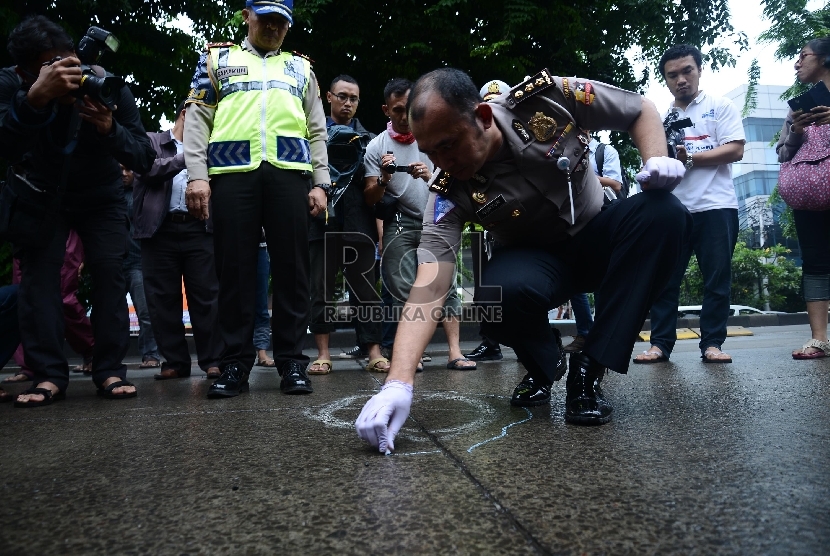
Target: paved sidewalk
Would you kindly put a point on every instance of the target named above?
(699, 459)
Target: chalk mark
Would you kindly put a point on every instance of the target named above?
(503, 432)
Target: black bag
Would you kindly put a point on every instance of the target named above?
(386, 208)
(626, 182)
(28, 215)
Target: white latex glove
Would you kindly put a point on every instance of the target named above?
(384, 415)
(661, 172)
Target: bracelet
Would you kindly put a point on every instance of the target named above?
(382, 183)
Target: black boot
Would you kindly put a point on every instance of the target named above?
(232, 382)
(584, 402)
(294, 378)
(530, 391)
(485, 352)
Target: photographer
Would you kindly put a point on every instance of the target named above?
(64, 147)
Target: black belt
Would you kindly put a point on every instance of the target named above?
(180, 217)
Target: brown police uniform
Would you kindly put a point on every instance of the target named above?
(540, 200)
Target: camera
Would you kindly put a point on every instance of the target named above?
(674, 131)
(391, 168)
(104, 88)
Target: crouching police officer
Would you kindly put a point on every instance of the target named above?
(255, 127)
(519, 166)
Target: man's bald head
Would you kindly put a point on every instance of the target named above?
(453, 86)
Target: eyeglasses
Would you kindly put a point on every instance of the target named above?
(804, 55)
(343, 97)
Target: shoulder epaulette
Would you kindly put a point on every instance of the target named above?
(210, 45)
(530, 87)
(295, 53)
(442, 183)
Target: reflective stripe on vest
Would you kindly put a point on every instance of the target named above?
(260, 114)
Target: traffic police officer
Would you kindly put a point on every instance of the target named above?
(256, 128)
(519, 166)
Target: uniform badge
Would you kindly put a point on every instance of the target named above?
(530, 87)
(556, 144)
(230, 71)
(543, 127)
(520, 130)
(441, 183)
(488, 209)
(584, 93)
(566, 89)
(443, 207)
(479, 197)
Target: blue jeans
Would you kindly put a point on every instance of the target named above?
(146, 340)
(582, 313)
(713, 238)
(262, 320)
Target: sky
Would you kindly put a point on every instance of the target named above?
(747, 16)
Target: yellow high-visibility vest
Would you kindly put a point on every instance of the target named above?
(260, 114)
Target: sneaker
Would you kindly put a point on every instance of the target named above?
(530, 392)
(577, 345)
(354, 353)
(294, 379)
(485, 352)
(426, 358)
(232, 382)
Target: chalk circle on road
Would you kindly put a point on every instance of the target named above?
(458, 414)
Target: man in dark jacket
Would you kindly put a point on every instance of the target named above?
(176, 246)
(56, 141)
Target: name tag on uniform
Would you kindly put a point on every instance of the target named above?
(230, 71)
(488, 209)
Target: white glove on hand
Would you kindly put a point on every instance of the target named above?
(661, 172)
(384, 415)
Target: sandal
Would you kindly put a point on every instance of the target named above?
(22, 376)
(373, 365)
(661, 357)
(5, 396)
(49, 397)
(325, 364)
(107, 392)
(265, 362)
(454, 365)
(86, 368)
(714, 357)
(822, 347)
(149, 363)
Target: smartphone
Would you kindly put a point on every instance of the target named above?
(818, 95)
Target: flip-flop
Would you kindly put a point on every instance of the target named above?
(108, 391)
(149, 364)
(49, 397)
(373, 365)
(663, 357)
(823, 347)
(454, 366)
(706, 359)
(323, 371)
(266, 363)
(13, 379)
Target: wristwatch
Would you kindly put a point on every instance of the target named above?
(689, 162)
(326, 187)
(382, 183)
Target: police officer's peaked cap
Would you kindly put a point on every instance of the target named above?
(281, 7)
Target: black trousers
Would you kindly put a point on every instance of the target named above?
(182, 251)
(243, 203)
(626, 255)
(357, 259)
(99, 215)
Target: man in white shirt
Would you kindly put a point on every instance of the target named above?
(710, 146)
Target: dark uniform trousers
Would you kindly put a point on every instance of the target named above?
(182, 251)
(99, 216)
(244, 203)
(357, 259)
(626, 255)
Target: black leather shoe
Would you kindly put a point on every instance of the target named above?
(562, 363)
(232, 382)
(584, 403)
(530, 392)
(485, 352)
(294, 379)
